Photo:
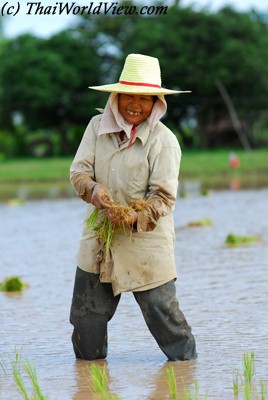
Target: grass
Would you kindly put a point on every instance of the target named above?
(209, 166)
(35, 170)
(216, 162)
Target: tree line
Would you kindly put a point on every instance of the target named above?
(45, 103)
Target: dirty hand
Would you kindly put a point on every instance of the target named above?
(101, 197)
(129, 220)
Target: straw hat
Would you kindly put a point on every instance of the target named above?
(141, 75)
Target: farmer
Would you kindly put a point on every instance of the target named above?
(127, 154)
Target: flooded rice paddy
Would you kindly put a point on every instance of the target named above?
(222, 291)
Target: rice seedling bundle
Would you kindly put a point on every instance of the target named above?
(105, 229)
(12, 284)
(234, 240)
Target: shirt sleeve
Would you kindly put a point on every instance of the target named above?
(82, 174)
(163, 186)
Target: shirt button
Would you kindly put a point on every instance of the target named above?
(112, 169)
(140, 229)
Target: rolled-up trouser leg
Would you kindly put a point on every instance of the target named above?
(93, 305)
(166, 322)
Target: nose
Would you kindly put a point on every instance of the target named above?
(135, 102)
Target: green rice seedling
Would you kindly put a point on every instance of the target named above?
(17, 375)
(184, 194)
(18, 367)
(263, 390)
(172, 384)
(193, 394)
(249, 369)
(31, 371)
(99, 378)
(235, 382)
(248, 391)
(105, 229)
(12, 284)
(234, 240)
(3, 367)
(99, 382)
(93, 218)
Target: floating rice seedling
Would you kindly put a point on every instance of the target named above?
(205, 192)
(12, 284)
(184, 194)
(201, 222)
(15, 202)
(234, 240)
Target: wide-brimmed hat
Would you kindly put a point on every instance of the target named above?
(141, 75)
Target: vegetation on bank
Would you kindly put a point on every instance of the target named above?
(221, 57)
(201, 165)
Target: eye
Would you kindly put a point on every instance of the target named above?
(147, 99)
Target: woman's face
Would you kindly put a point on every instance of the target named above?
(135, 108)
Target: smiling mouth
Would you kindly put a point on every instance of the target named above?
(134, 113)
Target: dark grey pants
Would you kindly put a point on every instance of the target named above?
(94, 304)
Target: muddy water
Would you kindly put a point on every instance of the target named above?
(222, 291)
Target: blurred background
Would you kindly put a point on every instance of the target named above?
(217, 50)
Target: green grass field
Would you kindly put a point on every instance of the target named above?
(209, 167)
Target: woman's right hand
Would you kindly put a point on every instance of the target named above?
(101, 198)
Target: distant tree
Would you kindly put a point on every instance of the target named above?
(195, 49)
(46, 80)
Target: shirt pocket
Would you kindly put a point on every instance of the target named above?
(137, 176)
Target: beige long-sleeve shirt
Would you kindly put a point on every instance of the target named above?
(149, 169)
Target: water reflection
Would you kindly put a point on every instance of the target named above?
(223, 292)
(184, 373)
(155, 380)
(85, 389)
